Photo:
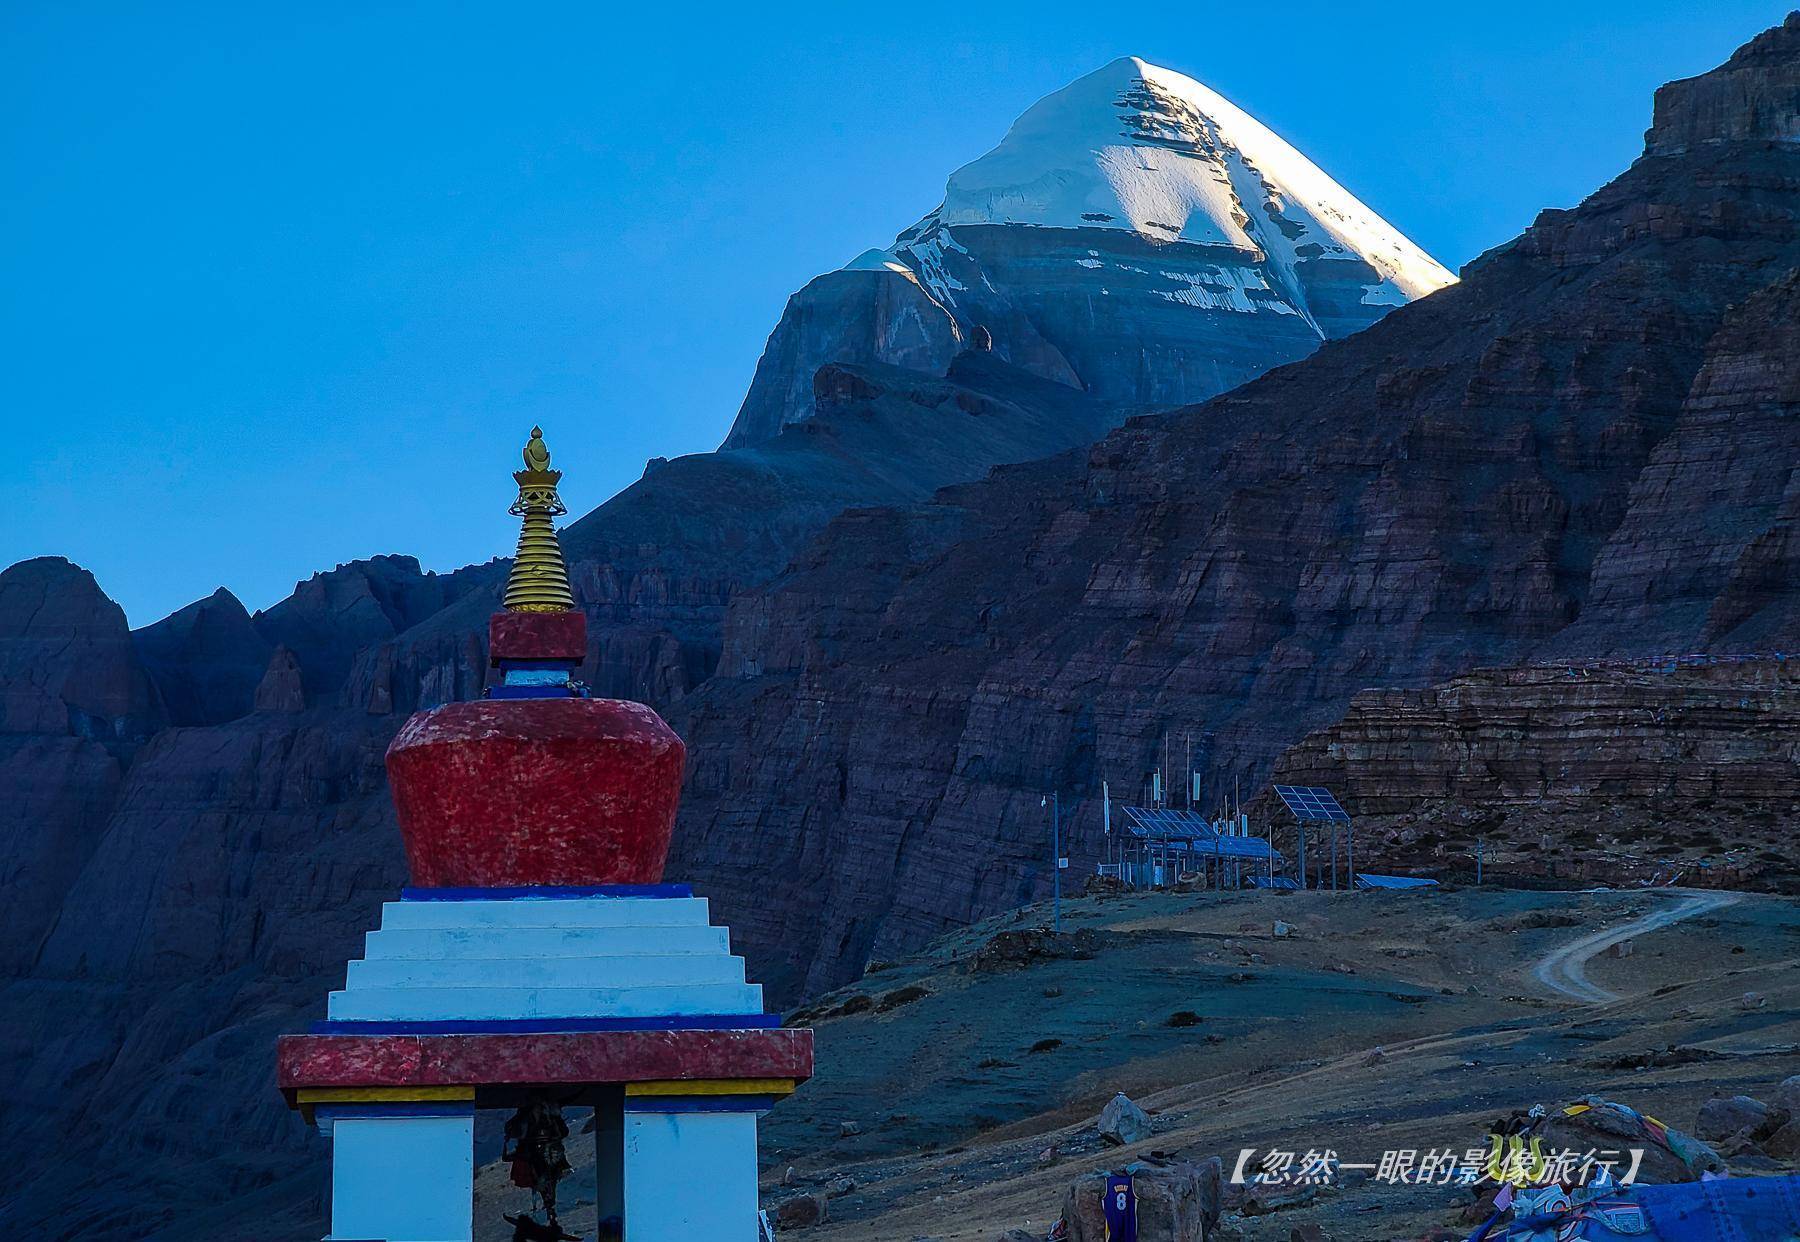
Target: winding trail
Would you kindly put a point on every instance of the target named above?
(1564, 969)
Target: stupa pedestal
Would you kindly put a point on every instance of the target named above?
(539, 956)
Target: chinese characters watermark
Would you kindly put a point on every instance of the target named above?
(1508, 1160)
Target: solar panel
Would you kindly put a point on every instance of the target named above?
(1238, 847)
(1280, 882)
(1312, 804)
(1157, 823)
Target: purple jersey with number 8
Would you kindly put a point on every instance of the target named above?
(1120, 1209)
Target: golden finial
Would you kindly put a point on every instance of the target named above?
(537, 453)
(539, 582)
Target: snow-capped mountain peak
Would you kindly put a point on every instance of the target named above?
(1136, 146)
(1134, 234)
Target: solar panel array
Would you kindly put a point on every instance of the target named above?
(1312, 805)
(1186, 830)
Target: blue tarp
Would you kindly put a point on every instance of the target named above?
(1365, 880)
(1725, 1209)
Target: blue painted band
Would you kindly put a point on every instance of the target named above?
(558, 677)
(699, 1103)
(553, 1026)
(558, 691)
(546, 892)
(352, 1112)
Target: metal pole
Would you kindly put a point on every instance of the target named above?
(1350, 837)
(1056, 861)
(1303, 856)
(1479, 841)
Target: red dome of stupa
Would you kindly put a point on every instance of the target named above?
(536, 784)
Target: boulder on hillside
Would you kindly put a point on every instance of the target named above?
(800, 1212)
(1784, 1143)
(1177, 1201)
(1787, 1095)
(1598, 1124)
(1721, 1117)
(1025, 946)
(1123, 1122)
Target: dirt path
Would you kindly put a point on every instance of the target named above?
(1564, 970)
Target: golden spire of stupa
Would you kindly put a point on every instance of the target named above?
(539, 582)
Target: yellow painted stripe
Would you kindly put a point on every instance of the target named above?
(712, 1086)
(380, 1095)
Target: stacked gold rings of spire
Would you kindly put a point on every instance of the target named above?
(539, 581)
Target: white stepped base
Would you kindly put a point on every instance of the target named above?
(547, 912)
(449, 1004)
(649, 970)
(519, 942)
(544, 958)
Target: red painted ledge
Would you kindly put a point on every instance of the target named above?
(584, 1057)
(537, 636)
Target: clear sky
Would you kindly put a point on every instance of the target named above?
(283, 286)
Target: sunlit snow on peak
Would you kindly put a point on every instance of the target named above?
(1137, 147)
(877, 261)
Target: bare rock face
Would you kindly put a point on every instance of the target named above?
(281, 689)
(1475, 480)
(234, 872)
(75, 705)
(857, 317)
(205, 660)
(67, 667)
(1656, 762)
(332, 616)
(1753, 97)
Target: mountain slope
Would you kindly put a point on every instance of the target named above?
(1585, 446)
(1134, 234)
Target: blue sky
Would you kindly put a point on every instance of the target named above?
(285, 286)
